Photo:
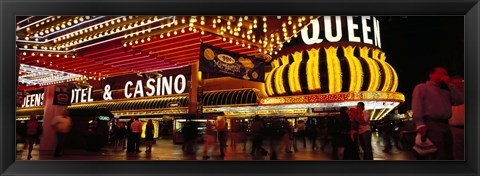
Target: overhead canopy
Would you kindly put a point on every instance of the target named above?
(212, 98)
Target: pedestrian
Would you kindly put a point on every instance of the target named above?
(457, 123)
(364, 130)
(257, 136)
(149, 129)
(432, 107)
(313, 134)
(275, 134)
(209, 139)
(32, 134)
(300, 134)
(351, 151)
(387, 129)
(342, 133)
(287, 136)
(130, 137)
(120, 136)
(221, 127)
(61, 124)
(136, 129)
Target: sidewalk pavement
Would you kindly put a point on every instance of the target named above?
(165, 149)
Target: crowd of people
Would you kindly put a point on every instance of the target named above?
(438, 113)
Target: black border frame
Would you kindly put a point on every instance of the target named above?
(9, 9)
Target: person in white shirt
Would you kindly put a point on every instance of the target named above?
(364, 131)
(136, 132)
(457, 122)
(61, 124)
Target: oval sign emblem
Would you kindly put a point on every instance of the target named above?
(226, 58)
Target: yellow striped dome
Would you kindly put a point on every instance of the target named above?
(331, 69)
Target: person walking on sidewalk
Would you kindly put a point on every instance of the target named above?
(365, 134)
(61, 124)
(222, 134)
(136, 133)
(130, 138)
(32, 134)
(210, 140)
(149, 136)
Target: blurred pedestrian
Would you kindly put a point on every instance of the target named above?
(120, 135)
(275, 134)
(32, 134)
(221, 128)
(342, 133)
(313, 134)
(61, 124)
(300, 134)
(364, 131)
(287, 136)
(257, 136)
(149, 129)
(136, 128)
(387, 132)
(432, 107)
(130, 137)
(189, 132)
(457, 123)
(351, 151)
(210, 139)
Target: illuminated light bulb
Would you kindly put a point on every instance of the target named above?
(224, 39)
(37, 25)
(202, 22)
(174, 32)
(231, 41)
(136, 41)
(194, 29)
(41, 54)
(168, 34)
(69, 23)
(41, 33)
(191, 24)
(25, 46)
(65, 56)
(161, 35)
(24, 53)
(259, 50)
(81, 19)
(214, 26)
(243, 44)
(264, 30)
(202, 33)
(58, 55)
(148, 39)
(49, 55)
(183, 31)
(219, 20)
(33, 54)
(236, 43)
(183, 20)
(130, 43)
(289, 22)
(75, 21)
(264, 18)
(73, 56)
(299, 24)
(143, 41)
(255, 26)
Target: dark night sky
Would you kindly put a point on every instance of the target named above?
(415, 43)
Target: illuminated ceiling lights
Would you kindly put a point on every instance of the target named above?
(32, 75)
(96, 36)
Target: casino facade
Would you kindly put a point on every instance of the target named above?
(176, 68)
